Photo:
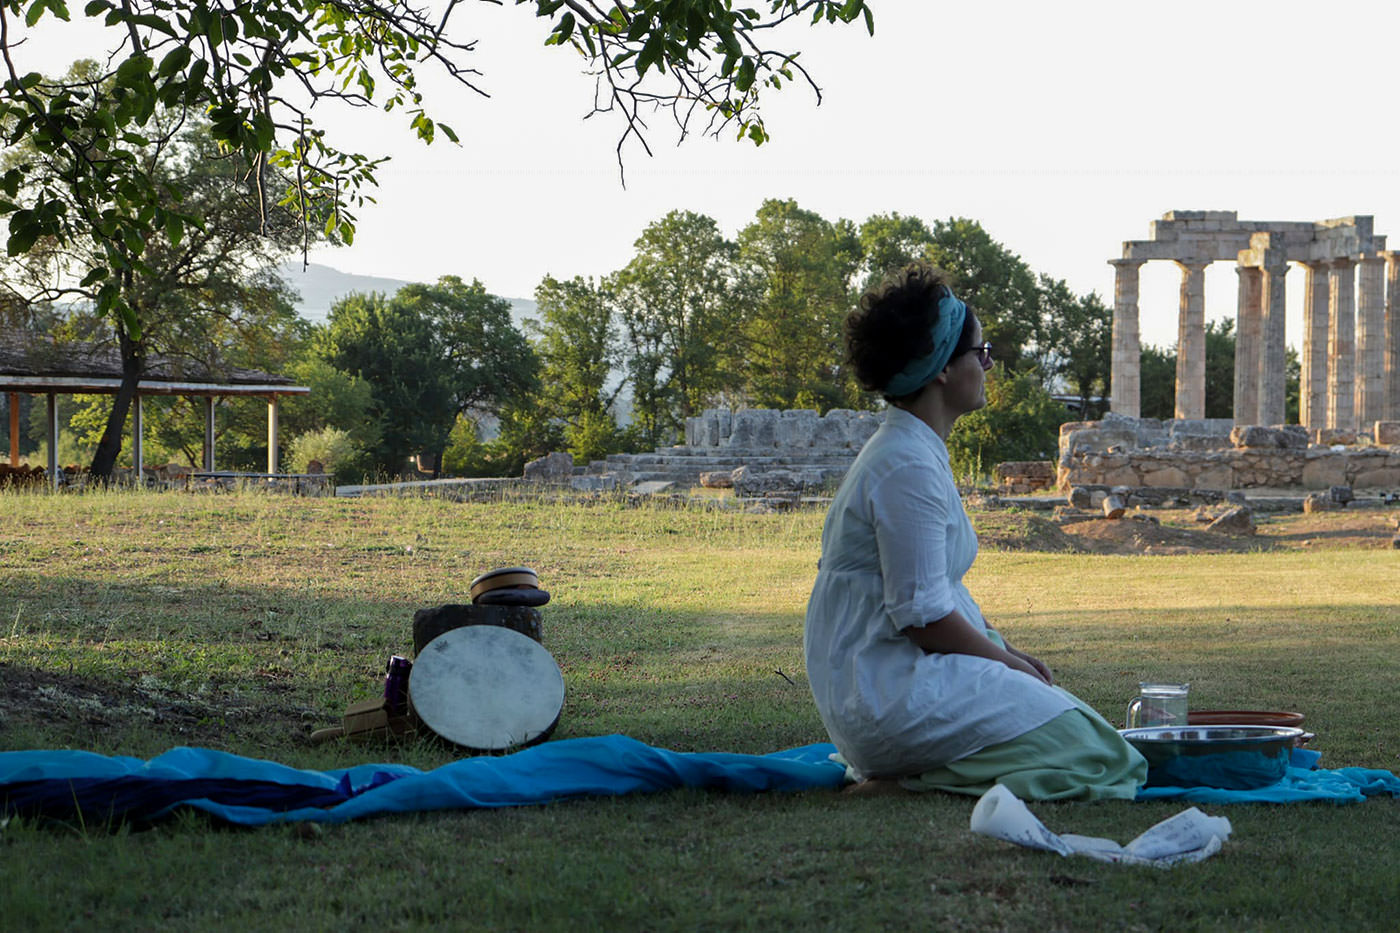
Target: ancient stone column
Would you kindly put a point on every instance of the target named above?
(1312, 387)
(1125, 385)
(1274, 348)
(1247, 340)
(1341, 345)
(1392, 336)
(1370, 341)
(1191, 341)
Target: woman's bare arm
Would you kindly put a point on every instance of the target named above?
(953, 634)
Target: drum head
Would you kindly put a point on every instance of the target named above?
(487, 688)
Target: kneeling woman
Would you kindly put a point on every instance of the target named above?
(912, 685)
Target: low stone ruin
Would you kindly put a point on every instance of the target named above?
(803, 450)
(1023, 477)
(1217, 454)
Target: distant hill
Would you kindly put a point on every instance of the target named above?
(321, 286)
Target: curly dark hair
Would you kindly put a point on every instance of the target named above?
(893, 324)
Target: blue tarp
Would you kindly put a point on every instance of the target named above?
(253, 792)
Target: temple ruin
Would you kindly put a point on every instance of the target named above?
(1350, 345)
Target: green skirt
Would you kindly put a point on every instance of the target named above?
(1076, 755)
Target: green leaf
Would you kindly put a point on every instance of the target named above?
(174, 62)
(154, 22)
(93, 277)
(448, 132)
(744, 79)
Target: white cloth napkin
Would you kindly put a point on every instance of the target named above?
(1190, 836)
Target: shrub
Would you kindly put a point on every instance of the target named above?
(334, 448)
(1021, 421)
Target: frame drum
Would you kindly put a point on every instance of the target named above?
(487, 688)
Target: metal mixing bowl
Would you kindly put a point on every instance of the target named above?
(1233, 757)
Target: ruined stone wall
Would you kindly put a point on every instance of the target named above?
(1205, 454)
(795, 429)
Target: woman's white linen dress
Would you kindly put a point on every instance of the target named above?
(895, 546)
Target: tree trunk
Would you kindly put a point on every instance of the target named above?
(133, 362)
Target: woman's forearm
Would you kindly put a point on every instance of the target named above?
(953, 634)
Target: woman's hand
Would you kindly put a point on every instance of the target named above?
(1037, 666)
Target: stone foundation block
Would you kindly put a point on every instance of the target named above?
(1327, 469)
(795, 428)
(1218, 476)
(1387, 433)
(1385, 478)
(1165, 476)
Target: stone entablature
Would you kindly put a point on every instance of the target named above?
(1197, 455)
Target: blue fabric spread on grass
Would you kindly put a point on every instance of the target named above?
(252, 792)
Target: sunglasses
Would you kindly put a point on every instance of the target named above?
(984, 354)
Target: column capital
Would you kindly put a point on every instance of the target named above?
(1342, 262)
(1126, 263)
(1373, 256)
(1190, 265)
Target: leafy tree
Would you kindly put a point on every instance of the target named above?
(576, 342)
(1075, 340)
(889, 242)
(681, 300)
(203, 291)
(337, 400)
(996, 284)
(793, 344)
(1220, 368)
(1021, 421)
(257, 69)
(429, 353)
(1157, 381)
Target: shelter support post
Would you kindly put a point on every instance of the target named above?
(1341, 345)
(1125, 380)
(208, 433)
(138, 454)
(52, 424)
(1370, 341)
(1247, 344)
(1191, 341)
(272, 457)
(1312, 380)
(14, 429)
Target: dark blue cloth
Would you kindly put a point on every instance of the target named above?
(1304, 781)
(253, 792)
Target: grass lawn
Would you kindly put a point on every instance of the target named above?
(130, 623)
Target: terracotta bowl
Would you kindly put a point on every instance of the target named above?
(1244, 717)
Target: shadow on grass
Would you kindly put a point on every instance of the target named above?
(127, 668)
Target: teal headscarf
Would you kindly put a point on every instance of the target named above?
(947, 328)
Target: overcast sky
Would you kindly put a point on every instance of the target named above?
(1063, 128)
